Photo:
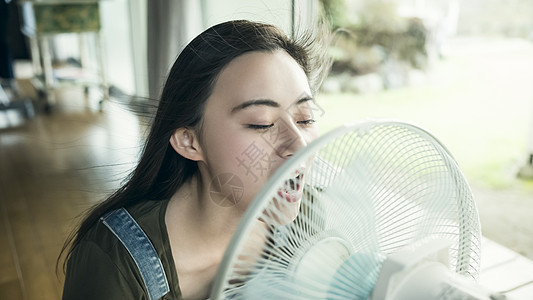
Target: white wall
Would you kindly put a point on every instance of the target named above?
(117, 44)
(139, 27)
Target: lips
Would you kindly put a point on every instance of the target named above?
(291, 190)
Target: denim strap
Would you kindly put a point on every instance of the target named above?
(122, 224)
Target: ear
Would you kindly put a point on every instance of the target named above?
(185, 142)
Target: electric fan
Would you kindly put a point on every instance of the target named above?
(372, 210)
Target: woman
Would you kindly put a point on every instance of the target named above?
(235, 106)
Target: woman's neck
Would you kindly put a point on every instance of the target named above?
(197, 213)
(199, 232)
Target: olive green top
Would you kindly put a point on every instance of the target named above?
(100, 267)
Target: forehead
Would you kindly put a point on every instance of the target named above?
(260, 75)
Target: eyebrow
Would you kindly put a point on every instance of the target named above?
(264, 102)
(304, 98)
(267, 102)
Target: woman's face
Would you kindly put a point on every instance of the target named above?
(258, 116)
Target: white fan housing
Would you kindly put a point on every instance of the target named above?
(384, 204)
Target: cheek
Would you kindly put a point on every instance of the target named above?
(253, 164)
(226, 150)
(254, 159)
(243, 154)
(311, 134)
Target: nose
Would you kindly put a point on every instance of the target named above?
(291, 139)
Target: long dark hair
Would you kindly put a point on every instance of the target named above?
(161, 171)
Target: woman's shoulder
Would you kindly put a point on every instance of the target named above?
(101, 258)
(100, 245)
(100, 268)
(146, 214)
(150, 215)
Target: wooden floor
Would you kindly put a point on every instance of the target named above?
(52, 168)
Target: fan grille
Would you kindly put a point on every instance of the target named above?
(372, 189)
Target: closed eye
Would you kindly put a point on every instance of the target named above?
(259, 127)
(306, 122)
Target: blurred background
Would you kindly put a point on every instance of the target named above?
(80, 80)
